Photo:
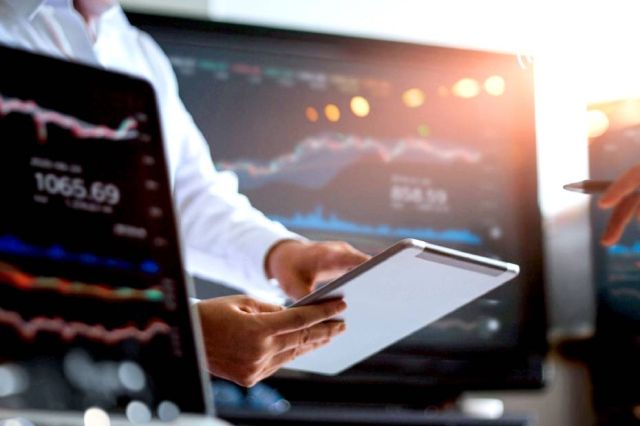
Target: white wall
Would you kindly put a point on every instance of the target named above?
(450, 22)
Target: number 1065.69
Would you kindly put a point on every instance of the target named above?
(77, 188)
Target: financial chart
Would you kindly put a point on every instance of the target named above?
(372, 150)
(93, 303)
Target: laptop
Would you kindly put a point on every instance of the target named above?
(95, 322)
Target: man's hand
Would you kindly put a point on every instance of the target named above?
(623, 197)
(299, 266)
(247, 340)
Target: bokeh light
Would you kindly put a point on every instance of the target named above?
(597, 122)
(360, 106)
(13, 380)
(312, 114)
(413, 98)
(466, 88)
(627, 114)
(496, 233)
(168, 411)
(96, 417)
(131, 376)
(89, 375)
(332, 112)
(495, 85)
(138, 412)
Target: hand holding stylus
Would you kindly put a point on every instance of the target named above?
(624, 198)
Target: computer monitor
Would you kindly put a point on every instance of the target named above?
(614, 149)
(94, 312)
(370, 141)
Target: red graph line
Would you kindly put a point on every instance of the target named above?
(388, 152)
(20, 280)
(69, 331)
(80, 129)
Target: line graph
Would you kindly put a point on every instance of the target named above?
(69, 331)
(15, 246)
(42, 117)
(318, 221)
(23, 281)
(318, 159)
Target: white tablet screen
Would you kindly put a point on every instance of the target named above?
(398, 296)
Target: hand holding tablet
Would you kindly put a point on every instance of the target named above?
(403, 289)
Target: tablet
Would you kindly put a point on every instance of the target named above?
(397, 292)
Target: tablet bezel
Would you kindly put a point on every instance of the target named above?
(325, 291)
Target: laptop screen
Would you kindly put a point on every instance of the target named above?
(94, 307)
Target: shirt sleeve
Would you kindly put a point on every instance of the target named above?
(225, 238)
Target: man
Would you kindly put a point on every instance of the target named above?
(246, 339)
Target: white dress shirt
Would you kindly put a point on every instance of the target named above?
(225, 238)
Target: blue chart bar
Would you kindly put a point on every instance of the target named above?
(15, 246)
(622, 250)
(317, 221)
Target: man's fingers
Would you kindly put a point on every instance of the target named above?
(620, 217)
(318, 332)
(253, 306)
(294, 319)
(344, 257)
(621, 188)
(291, 354)
(301, 342)
(336, 259)
(268, 307)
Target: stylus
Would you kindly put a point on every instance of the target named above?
(589, 186)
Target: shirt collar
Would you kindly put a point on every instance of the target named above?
(111, 21)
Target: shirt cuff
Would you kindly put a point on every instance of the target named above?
(244, 267)
(262, 246)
